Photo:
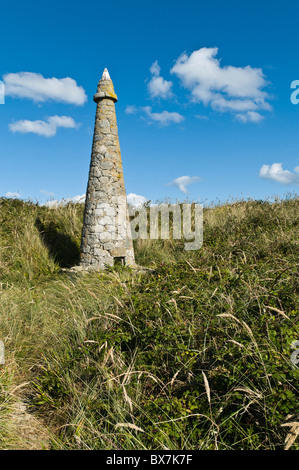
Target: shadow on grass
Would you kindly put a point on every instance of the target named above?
(62, 248)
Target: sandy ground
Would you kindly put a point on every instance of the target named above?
(30, 434)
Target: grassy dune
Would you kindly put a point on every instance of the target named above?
(194, 356)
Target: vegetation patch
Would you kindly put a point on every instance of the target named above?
(196, 355)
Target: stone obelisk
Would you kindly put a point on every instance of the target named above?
(106, 236)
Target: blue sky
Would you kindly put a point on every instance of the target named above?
(204, 89)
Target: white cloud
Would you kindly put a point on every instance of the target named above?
(2, 93)
(227, 88)
(155, 69)
(15, 195)
(46, 128)
(136, 200)
(38, 88)
(46, 193)
(158, 87)
(52, 203)
(133, 199)
(250, 116)
(75, 199)
(131, 109)
(184, 181)
(200, 116)
(164, 118)
(275, 172)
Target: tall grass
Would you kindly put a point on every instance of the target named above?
(193, 356)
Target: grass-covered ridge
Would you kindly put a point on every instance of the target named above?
(194, 356)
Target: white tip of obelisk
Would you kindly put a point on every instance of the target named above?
(106, 75)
